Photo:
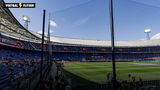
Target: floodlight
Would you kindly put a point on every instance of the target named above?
(147, 30)
(26, 18)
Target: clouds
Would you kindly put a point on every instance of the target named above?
(157, 36)
(40, 32)
(51, 31)
(80, 22)
(45, 33)
(53, 23)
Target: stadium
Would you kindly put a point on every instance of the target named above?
(83, 63)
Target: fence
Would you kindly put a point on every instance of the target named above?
(27, 83)
(144, 85)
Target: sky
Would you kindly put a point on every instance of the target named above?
(89, 19)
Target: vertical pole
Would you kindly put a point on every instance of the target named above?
(49, 42)
(148, 37)
(112, 42)
(49, 38)
(0, 37)
(49, 29)
(25, 25)
(42, 44)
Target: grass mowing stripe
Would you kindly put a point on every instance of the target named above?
(96, 71)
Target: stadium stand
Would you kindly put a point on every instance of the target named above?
(20, 52)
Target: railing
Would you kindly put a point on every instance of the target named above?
(144, 85)
(28, 82)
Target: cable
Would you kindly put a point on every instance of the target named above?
(141, 3)
(58, 11)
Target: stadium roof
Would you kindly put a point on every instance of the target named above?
(99, 43)
(9, 25)
(141, 43)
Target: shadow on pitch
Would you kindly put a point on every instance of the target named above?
(77, 80)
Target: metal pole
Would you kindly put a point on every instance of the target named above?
(148, 37)
(49, 37)
(112, 42)
(49, 28)
(42, 44)
(26, 24)
(49, 43)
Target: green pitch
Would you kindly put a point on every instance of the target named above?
(95, 72)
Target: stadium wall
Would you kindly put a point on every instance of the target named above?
(86, 53)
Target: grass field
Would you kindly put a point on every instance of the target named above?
(95, 72)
